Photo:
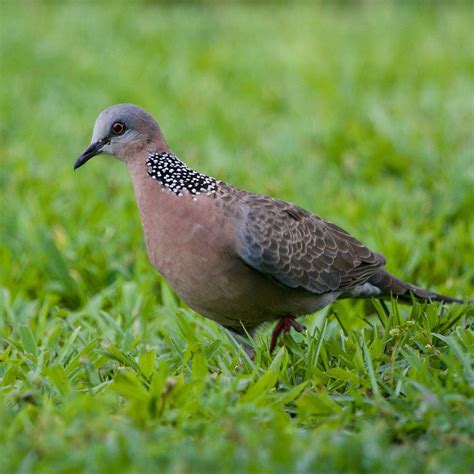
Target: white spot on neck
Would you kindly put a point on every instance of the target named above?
(173, 174)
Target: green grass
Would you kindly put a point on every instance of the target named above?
(362, 114)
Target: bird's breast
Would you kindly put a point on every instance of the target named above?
(187, 241)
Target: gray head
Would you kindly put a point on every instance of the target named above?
(123, 130)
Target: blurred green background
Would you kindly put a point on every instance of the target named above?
(361, 112)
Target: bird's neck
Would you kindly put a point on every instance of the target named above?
(174, 175)
(161, 180)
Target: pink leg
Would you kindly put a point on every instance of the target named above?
(283, 326)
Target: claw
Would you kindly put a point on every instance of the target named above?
(284, 326)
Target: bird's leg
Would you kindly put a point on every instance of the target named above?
(284, 326)
(238, 334)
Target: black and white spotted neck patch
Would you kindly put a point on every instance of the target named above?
(173, 174)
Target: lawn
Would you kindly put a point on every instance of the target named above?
(360, 112)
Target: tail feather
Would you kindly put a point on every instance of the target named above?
(391, 285)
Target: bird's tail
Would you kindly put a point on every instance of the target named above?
(391, 285)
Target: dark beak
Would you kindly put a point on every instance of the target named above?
(92, 150)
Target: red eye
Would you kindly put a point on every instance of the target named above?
(118, 128)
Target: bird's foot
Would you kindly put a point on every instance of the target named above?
(284, 326)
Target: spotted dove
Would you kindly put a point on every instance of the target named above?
(235, 257)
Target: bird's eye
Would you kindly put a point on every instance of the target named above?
(118, 128)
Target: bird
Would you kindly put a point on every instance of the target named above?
(238, 258)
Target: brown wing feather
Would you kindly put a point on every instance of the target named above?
(299, 249)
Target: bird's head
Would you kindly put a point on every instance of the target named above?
(123, 131)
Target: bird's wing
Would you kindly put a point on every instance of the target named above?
(300, 250)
